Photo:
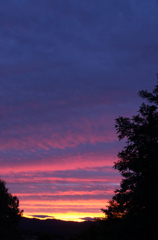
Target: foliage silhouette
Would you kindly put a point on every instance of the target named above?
(133, 211)
(134, 207)
(138, 161)
(9, 213)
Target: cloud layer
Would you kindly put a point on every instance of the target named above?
(67, 70)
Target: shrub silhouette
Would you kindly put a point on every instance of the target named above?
(9, 213)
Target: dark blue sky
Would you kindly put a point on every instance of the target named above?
(67, 70)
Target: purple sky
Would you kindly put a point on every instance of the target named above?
(67, 70)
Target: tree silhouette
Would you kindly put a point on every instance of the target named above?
(138, 162)
(9, 213)
(133, 211)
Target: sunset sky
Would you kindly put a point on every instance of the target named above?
(68, 69)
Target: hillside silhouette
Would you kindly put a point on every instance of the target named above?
(57, 228)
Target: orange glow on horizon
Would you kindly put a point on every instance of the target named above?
(78, 210)
(76, 217)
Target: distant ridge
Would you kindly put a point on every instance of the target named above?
(57, 228)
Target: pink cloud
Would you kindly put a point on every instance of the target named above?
(49, 164)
